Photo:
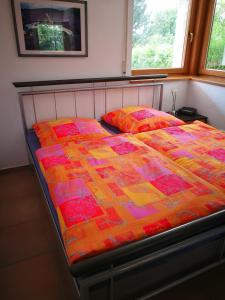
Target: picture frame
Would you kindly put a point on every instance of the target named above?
(51, 27)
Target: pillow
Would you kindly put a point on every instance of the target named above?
(68, 129)
(136, 119)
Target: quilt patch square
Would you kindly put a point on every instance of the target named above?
(180, 134)
(52, 161)
(55, 150)
(116, 189)
(127, 177)
(96, 162)
(71, 189)
(157, 227)
(142, 114)
(65, 130)
(124, 148)
(112, 219)
(152, 170)
(219, 154)
(86, 128)
(143, 193)
(106, 172)
(102, 153)
(171, 184)
(80, 210)
(139, 212)
(181, 153)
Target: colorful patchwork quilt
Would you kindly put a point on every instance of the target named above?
(113, 191)
(198, 147)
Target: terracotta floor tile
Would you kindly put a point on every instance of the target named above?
(18, 183)
(26, 240)
(21, 209)
(40, 278)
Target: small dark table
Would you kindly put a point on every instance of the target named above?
(189, 119)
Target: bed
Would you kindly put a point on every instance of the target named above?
(141, 268)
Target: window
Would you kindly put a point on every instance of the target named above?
(213, 56)
(159, 34)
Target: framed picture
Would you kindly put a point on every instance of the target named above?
(50, 28)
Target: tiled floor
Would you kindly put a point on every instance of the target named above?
(31, 263)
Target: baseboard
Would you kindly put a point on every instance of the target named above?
(14, 169)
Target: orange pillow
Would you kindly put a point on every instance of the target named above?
(68, 129)
(136, 119)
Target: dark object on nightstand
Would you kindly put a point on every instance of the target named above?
(190, 111)
(191, 118)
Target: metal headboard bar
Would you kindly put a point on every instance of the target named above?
(97, 88)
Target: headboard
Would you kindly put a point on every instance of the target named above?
(87, 100)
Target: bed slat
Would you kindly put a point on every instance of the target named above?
(146, 95)
(28, 110)
(84, 104)
(114, 99)
(130, 96)
(65, 104)
(45, 108)
(99, 104)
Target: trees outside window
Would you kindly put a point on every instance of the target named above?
(159, 33)
(216, 50)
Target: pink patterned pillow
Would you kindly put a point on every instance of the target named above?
(68, 129)
(135, 119)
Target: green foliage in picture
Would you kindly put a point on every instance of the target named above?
(50, 37)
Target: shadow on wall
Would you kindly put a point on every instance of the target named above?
(209, 101)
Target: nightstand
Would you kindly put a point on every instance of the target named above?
(190, 119)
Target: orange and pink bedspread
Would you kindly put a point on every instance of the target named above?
(198, 147)
(116, 190)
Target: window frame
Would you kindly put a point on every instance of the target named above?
(201, 17)
(206, 40)
(187, 48)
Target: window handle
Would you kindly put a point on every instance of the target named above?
(191, 36)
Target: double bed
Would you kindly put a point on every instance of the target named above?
(151, 221)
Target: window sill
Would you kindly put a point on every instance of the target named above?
(210, 79)
(202, 78)
(169, 78)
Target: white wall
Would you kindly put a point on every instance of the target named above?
(209, 100)
(181, 88)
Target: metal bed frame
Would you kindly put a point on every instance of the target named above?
(144, 268)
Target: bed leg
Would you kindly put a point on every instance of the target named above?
(111, 295)
(222, 251)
